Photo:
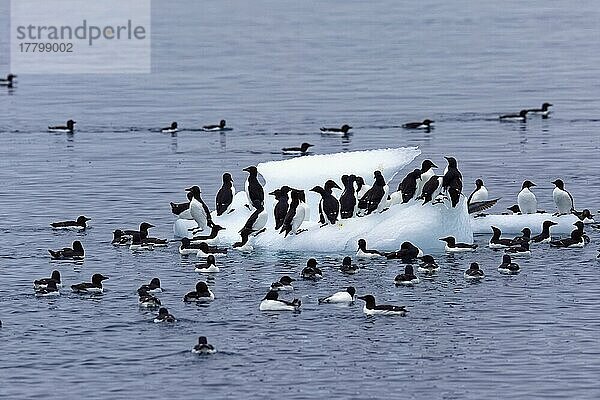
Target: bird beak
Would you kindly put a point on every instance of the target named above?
(447, 158)
(247, 169)
(188, 189)
(336, 186)
(150, 226)
(433, 165)
(360, 297)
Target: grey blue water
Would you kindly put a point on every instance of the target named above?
(277, 71)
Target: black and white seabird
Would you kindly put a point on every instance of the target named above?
(182, 209)
(524, 238)
(339, 131)
(303, 149)
(496, 241)
(329, 206)
(75, 253)
(138, 244)
(214, 231)
(544, 236)
(562, 198)
(256, 222)
(254, 190)
(585, 216)
(164, 316)
(152, 287)
(515, 209)
(9, 81)
(50, 290)
(408, 186)
(428, 265)
(478, 200)
(271, 302)
(426, 124)
(452, 181)
(427, 171)
(148, 300)
(202, 294)
(453, 247)
(580, 225)
(374, 199)
(408, 253)
(203, 347)
(199, 210)
(363, 252)
(526, 199)
(282, 205)
(171, 129)
(80, 224)
(284, 283)
(209, 267)
(576, 240)
(69, 128)
(431, 188)
(95, 286)
(342, 297)
(219, 127)
(295, 215)
(474, 272)
(521, 116)
(521, 250)
(347, 266)
(544, 110)
(348, 197)
(43, 282)
(361, 187)
(408, 278)
(225, 195)
(371, 308)
(508, 267)
(120, 239)
(311, 271)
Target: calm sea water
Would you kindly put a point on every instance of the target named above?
(276, 71)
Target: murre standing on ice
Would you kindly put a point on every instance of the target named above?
(329, 206)
(79, 225)
(374, 199)
(563, 199)
(426, 124)
(255, 224)
(452, 181)
(371, 308)
(69, 128)
(75, 253)
(478, 200)
(199, 210)
(295, 215)
(219, 127)
(303, 149)
(544, 110)
(342, 297)
(526, 199)
(348, 197)
(427, 171)
(225, 195)
(408, 186)
(254, 190)
(545, 236)
(170, 129)
(361, 187)
(338, 131)
(431, 188)
(282, 205)
(521, 116)
(453, 247)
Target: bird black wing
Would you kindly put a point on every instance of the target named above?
(479, 206)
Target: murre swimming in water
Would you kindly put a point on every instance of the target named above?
(148, 300)
(371, 308)
(9, 81)
(348, 197)
(408, 186)
(431, 188)
(137, 244)
(210, 266)
(284, 283)
(69, 128)
(143, 231)
(120, 239)
(254, 190)
(474, 272)
(295, 215)
(74, 253)
(453, 247)
(408, 278)
(452, 181)
(164, 316)
(79, 225)
(95, 286)
(428, 265)
(544, 110)
(363, 252)
(271, 302)
(329, 206)
(225, 195)
(579, 226)
(584, 216)
(339, 131)
(152, 287)
(50, 290)
(182, 210)
(311, 271)
(526, 199)
(374, 199)
(427, 171)
(171, 129)
(199, 210)
(408, 253)
(342, 297)
(282, 205)
(219, 127)
(303, 149)
(189, 247)
(202, 294)
(204, 249)
(574, 241)
(214, 231)
(203, 347)
(347, 266)
(508, 267)
(562, 198)
(426, 124)
(521, 116)
(496, 241)
(544, 236)
(43, 282)
(524, 238)
(521, 250)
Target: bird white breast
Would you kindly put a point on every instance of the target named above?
(49, 294)
(198, 214)
(428, 270)
(298, 218)
(425, 177)
(210, 269)
(506, 271)
(275, 305)
(59, 130)
(497, 245)
(185, 214)
(261, 221)
(362, 254)
(339, 297)
(458, 249)
(187, 251)
(562, 200)
(527, 201)
(200, 253)
(369, 311)
(480, 195)
(467, 276)
(169, 130)
(409, 283)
